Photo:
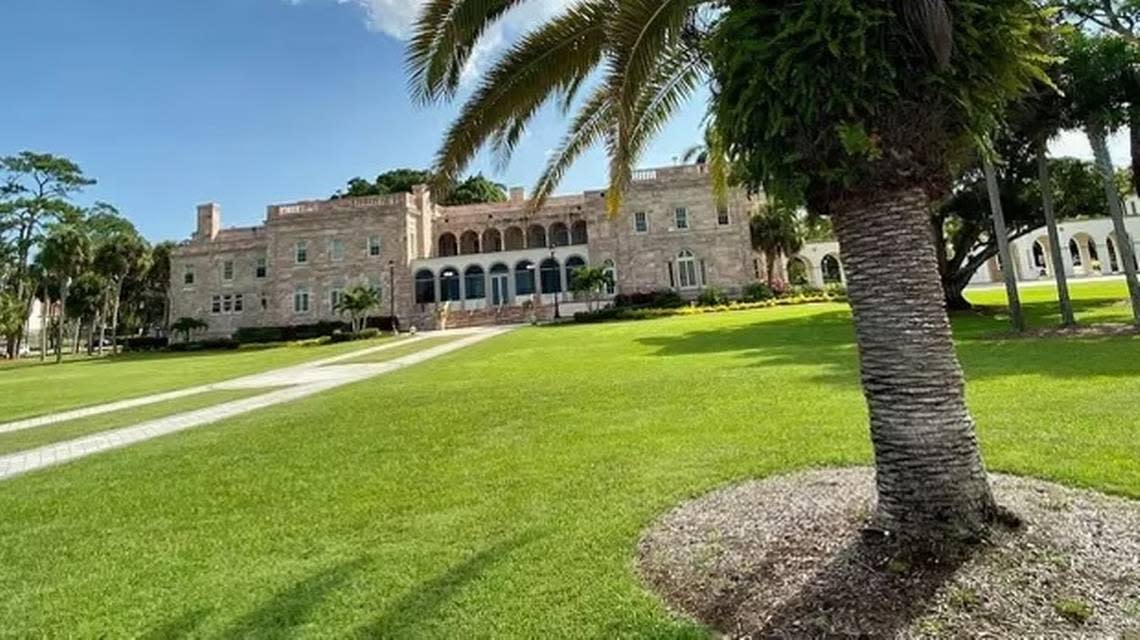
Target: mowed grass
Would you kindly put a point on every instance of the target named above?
(38, 436)
(1094, 301)
(499, 491)
(29, 391)
(401, 350)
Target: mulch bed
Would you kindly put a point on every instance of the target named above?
(783, 558)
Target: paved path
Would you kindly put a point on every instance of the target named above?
(302, 380)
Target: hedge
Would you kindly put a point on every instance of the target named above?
(611, 314)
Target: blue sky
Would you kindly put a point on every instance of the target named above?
(170, 103)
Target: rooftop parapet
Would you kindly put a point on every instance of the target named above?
(276, 211)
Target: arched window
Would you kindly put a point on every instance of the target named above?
(611, 281)
(500, 284)
(448, 246)
(1093, 255)
(1075, 252)
(474, 284)
(797, 270)
(535, 237)
(687, 270)
(830, 268)
(425, 287)
(524, 278)
(469, 243)
(551, 279)
(513, 239)
(1113, 263)
(448, 284)
(578, 233)
(559, 235)
(492, 241)
(573, 263)
(1039, 254)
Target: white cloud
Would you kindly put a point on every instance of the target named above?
(396, 18)
(1075, 144)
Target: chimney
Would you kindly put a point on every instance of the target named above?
(209, 221)
(518, 194)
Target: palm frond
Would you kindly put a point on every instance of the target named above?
(546, 63)
(931, 24)
(588, 127)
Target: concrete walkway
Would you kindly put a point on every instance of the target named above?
(298, 381)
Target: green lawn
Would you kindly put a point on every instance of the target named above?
(499, 491)
(47, 434)
(40, 389)
(1093, 302)
(401, 350)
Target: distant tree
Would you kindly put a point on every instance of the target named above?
(777, 232)
(119, 256)
(186, 325)
(35, 189)
(590, 281)
(154, 294)
(357, 301)
(476, 190)
(66, 253)
(87, 304)
(394, 181)
(12, 313)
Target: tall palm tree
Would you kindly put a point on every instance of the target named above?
(855, 106)
(777, 233)
(66, 252)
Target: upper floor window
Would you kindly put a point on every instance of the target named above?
(687, 270)
(228, 270)
(373, 245)
(640, 222)
(215, 304)
(188, 275)
(262, 267)
(336, 249)
(722, 216)
(681, 217)
(301, 252)
(301, 300)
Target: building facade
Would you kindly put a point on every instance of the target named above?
(471, 264)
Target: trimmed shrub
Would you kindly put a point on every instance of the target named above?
(299, 332)
(212, 344)
(661, 299)
(758, 291)
(712, 297)
(145, 343)
(349, 336)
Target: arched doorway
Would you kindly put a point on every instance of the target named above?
(798, 271)
(1040, 261)
(573, 263)
(449, 285)
(500, 284)
(1113, 261)
(535, 236)
(559, 235)
(492, 241)
(448, 245)
(524, 278)
(611, 281)
(513, 239)
(468, 243)
(550, 276)
(831, 269)
(425, 287)
(474, 283)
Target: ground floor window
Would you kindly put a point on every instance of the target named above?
(449, 285)
(301, 300)
(524, 278)
(687, 269)
(551, 278)
(425, 287)
(474, 282)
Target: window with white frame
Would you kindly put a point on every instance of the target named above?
(335, 296)
(301, 300)
(228, 270)
(262, 267)
(687, 270)
(301, 252)
(681, 218)
(188, 274)
(640, 222)
(227, 303)
(722, 216)
(336, 249)
(373, 245)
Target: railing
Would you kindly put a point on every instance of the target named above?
(340, 204)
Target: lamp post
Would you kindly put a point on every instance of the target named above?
(558, 292)
(392, 295)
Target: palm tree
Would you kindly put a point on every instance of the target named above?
(777, 233)
(357, 302)
(186, 325)
(120, 256)
(65, 254)
(1001, 234)
(854, 107)
(590, 281)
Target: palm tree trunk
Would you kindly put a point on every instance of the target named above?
(932, 485)
(1124, 247)
(59, 326)
(115, 318)
(1046, 183)
(1001, 235)
(44, 311)
(770, 264)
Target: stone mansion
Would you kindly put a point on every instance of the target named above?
(481, 262)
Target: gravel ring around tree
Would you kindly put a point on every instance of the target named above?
(783, 558)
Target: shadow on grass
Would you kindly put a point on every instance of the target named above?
(826, 342)
(426, 599)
